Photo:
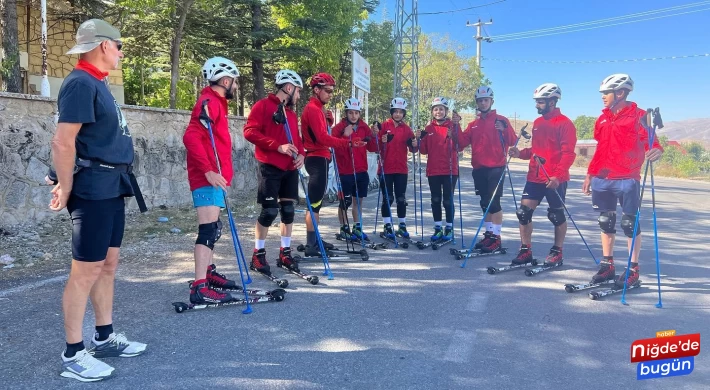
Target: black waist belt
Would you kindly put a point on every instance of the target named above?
(121, 168)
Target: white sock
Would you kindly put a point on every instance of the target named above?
(497, 229)
(449, 224)
(259, 244)
(403, 220)
(489, 226)
(437, 223)
(285, 242)
(388, 220)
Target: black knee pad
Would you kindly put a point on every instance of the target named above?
(346, 202)
(607, 222)
(209, 233)
(556, 216)
(627, 223)
(495, 206)
(288, 212)
(402, 201)
(268, 215)
(435, 200)
(524, 214)
(447, 202)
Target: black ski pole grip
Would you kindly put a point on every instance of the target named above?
(657, 120)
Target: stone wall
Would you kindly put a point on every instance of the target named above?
(27, 126)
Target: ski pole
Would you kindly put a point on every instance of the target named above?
(451, 189)
(421, 199)
(507, 169)
(326, 264)
(657, 122)
(525, 134)
(541, 162)
(339, 188)
(458, 169)
(357, 192)
(385, 187)
(414, 180)
(207, 122)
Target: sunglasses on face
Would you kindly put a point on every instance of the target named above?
(328, 91)
(119, 44)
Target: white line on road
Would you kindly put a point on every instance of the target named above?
(34, 285)
(461, 346)
(478, 302)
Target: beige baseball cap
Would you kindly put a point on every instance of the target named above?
(90, 35)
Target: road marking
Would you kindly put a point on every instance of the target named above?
(461, 346)
(478, 302)
(32, 286)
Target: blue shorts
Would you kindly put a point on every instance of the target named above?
(606, 193)
(208, 196)
(537, 191)
(348, 183)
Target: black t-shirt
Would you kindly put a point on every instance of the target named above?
(103, 137)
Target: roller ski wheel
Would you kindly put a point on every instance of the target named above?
(453, 251)
(301, 248)
(312, 279)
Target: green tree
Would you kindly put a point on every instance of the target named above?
(585, 126)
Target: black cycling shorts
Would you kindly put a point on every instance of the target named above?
(96, 226)
(317, 168)
(275, 184)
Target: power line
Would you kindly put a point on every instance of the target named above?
(602, 23)
(599, 61)
(459, 10)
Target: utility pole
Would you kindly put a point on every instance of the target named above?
(479, 38)
(406, 56)
(515, 120)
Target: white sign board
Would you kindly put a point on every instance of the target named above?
(361, 72)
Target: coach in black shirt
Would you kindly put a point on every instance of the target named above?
(92, 152)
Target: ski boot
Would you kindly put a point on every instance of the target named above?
(286, 260)
(345, 232)
(218, 280)
(554, 257)
(524, 256)
(358, 234)
(485, 241)
(493, 244)
(201, 294)
(606, 271)
(258, 262)
(402, 231)
(448, 233)
(328, 246)
(389, 232)
(438, 234)
(631, 280)
(314, 251)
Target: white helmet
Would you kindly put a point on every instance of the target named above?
(484, 92)
(286, 76)
(398, 103)
(353, 104)
(440, 101)
(616, 82)
(547, 90)
(217, 67)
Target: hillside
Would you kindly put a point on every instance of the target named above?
(687, 130)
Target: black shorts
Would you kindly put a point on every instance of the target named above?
(485, 180)
(537, 191)
(275, 184)
(348, 182)
(96, 226)
(317, 168)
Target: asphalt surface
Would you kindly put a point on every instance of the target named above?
(405, 319)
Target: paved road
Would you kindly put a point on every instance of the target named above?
(406, 319)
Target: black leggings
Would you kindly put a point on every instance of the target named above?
(398, 182)
(317, 168)
(437, 185)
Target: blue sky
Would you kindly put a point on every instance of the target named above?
(679, 87)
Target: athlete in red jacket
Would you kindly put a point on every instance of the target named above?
(354, 178)
(614, 173)
(278, 178)
(396, 140)
(553, 140)
(439, 144)
(489, 135)
(206, 183)
(317, 141)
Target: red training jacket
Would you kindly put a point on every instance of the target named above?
(395, 160)
(621, 144)
(553, 138)
(486, 148)
(342, 155)
(267, 136)
(314, 129)
(200, 155)
(437, 147)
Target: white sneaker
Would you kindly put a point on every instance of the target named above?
(115, 346)
(84, 367)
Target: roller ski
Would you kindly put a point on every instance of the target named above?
(461, 254)
(606, 272)
(403, 235)
(202, 296)
(276, 296)
(437, 236)
(369, 245)
(389, 235)
(261, 266)
(288, 263)
(523, 259)
(594, 295)
(570, 288)
(332, 254)
(446, 238)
